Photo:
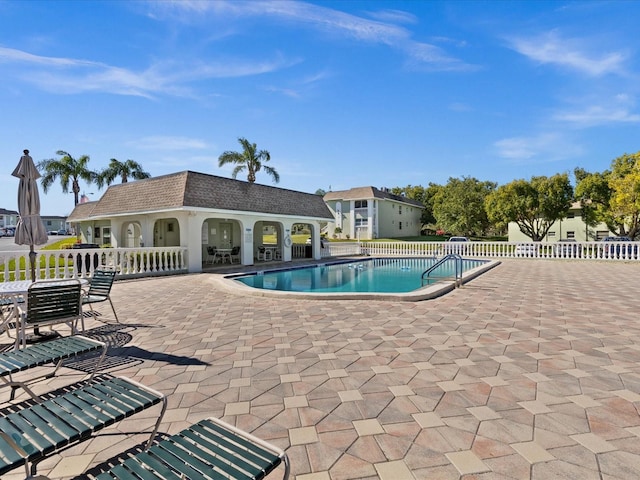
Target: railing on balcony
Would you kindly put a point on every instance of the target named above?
(68, 263)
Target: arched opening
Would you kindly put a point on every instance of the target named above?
(166, 233)
(221, 241)
(268, 241)
(132, 235)
(302, 235)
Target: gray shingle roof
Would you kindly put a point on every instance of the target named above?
(192, 189)
(364, 193)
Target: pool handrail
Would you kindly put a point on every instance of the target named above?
(458, 268)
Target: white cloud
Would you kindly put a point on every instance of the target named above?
(460, 107)
(396, 16)
(551, 48)
(11, 55)
(596, 111)
(381, 31)
(598, 115)
(287, 92)
(159, 142)
(545, 147)
(68, 76)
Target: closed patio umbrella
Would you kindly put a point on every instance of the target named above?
(30, 229)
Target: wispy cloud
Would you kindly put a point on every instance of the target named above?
(552, 48)
(301, 87)
(542, 148)
(618, 110)
(381, 28)
(68, 75)
(11, 55)
(287, 92)
(159, 142)
(395, 16)
(460, 107)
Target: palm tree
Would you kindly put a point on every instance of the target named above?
(124, 170)
(251, 159)
(68, 170)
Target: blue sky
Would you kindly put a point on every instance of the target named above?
(342, 94)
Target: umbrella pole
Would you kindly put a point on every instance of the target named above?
(32, 265)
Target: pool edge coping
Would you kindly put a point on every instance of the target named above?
(227, 283)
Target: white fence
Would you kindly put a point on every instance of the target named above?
(615, 251)
(153, 261)
(68, 263)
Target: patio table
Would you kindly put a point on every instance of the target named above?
(224, 253)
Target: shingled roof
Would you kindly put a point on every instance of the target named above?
(363, 193)
(179, 191)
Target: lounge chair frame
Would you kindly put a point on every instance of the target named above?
(210, 449)
(30, 435)
(41, 354)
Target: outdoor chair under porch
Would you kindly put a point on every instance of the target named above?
(212, 255)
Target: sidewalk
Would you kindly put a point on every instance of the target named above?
(531, 371)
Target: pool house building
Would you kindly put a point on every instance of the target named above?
(195, 211)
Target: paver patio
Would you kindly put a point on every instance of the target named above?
(531, 371)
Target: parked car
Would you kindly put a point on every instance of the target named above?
(620, 246)
(567, 247)
(456, 245)
(52, 232)
(63, 232)
(3, 233)
(527, 250)
(9, 231)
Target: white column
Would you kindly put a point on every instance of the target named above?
(246, 248)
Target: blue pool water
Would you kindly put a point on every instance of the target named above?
(383, 275)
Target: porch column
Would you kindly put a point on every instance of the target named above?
(116, 228)
(191, 237)
(287, 241)
(246, 243)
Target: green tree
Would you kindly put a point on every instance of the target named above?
(459, 206)
(320, 192)
(249, 159)
(613, 196)
(122, 170)
(534, 205)
(69, 170)
(594, 194)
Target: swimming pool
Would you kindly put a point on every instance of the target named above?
(366, 276)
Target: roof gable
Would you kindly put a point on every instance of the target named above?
(364, 193)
